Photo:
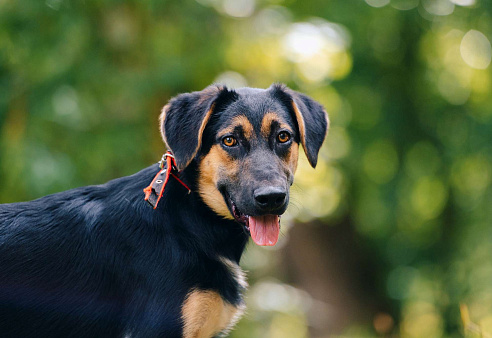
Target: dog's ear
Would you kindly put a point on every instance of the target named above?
(311, 118)
(184, 118)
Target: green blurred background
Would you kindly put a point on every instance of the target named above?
(391, 233)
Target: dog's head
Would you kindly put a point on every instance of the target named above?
(245, 143)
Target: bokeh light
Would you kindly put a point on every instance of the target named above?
(476, 50)
(438, 7)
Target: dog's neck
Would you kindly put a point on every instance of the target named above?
(192, 221)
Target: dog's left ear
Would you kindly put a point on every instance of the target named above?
(184, 118)
(311, 117)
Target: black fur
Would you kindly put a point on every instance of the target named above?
(98, 261)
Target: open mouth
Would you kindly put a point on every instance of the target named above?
(264, 229)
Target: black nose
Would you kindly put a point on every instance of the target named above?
(270, 198)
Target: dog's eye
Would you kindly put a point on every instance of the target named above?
(283, 136)
(229, 141)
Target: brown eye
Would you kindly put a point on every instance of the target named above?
(229, 141)
(283, 137)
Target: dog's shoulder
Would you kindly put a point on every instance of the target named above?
(207, 312)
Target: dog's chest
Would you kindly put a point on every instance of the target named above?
(206, 313)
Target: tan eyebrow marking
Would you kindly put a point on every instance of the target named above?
(242, 121)
(266, 124)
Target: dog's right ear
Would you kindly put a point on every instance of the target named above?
(184, 118)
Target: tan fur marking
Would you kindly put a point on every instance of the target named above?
(300, 123)
(215, 163)
(266, 124)
(240, 277)
(205, 314)
(293, 156)
(327, 123)
(242, 121)
(200, 133)
(162, 117)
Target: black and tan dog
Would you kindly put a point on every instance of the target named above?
(98, 261)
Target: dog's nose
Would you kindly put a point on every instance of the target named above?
(270, 198)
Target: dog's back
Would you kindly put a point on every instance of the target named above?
(61, 264)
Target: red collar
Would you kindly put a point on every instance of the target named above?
(154, 191)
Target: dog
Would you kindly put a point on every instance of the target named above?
(99, 261)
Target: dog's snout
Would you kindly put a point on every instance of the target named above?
(270, 198)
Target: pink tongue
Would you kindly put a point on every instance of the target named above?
(264, 229)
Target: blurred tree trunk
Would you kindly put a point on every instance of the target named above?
(330, 263)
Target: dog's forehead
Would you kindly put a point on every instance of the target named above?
(255, 104)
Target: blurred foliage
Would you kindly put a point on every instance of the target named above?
(407, 163)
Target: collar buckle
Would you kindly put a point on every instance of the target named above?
(167, 166)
